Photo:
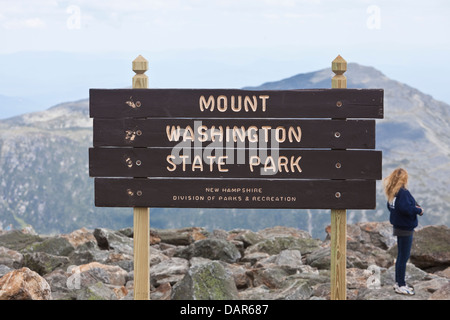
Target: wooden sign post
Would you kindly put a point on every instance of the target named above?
(229, 148)
(141, 215)
(339, 216)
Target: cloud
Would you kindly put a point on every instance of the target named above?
(30, 23)
(34, 23)
(18, 15)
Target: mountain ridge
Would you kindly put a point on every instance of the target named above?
(45, 182)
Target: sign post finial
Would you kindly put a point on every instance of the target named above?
(140, 66)
(339, 66)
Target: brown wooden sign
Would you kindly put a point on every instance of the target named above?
(227, 148)
(235, 163)
(234, 103)
(235, 193)
(335, 134)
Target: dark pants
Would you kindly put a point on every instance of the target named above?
(404, 250)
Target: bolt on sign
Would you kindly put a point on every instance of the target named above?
(227, 148)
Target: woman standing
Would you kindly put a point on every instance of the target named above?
(403, 216)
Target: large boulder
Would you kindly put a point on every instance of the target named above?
(213, 249)
(88, 252)
(18, 240)
(169, 271)
(442, 293)
(378, 234)
(10, 258)
(289, 258)
(320, 258)
(44, 263)
(247, 237)
(281, 231)
(206, 281)
(294, 289)
(97, 291)
(57, 246)
(94, 272)
(24, 284)
(79, 237)
(113, 240)
(183, 236)
(431, 247)
(275, 245)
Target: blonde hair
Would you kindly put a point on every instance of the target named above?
(394, 182)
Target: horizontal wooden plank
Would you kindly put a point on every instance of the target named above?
(229, 193)
(235, 103)
(235, 163)
(281, 133)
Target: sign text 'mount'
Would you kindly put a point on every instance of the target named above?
(202, 103)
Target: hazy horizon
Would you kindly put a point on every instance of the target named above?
(54, 51)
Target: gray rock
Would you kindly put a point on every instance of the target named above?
(281, 231)
(57, 280)
(387, 293)
(89, 274)
(97, 291)
(290, 258)
(257, 293)
(113, 240)
(43, 263)
(320, 258)
(242, 276)
(214, 249)
(57, 246)
(169, 271)
(17, 240)
(248, 237)
(431, 247)
(209, 281)
(219, 234)
(4, 270)
(378, 234)
(360, 256)
(277, 244)
(182, 236)
(364, 255)
(413, 275)
(295, 289)
(254, 257)
(271, 277)
(88, 252)
(433, 285)
(443, 293)
(10, 258)
(156, 256)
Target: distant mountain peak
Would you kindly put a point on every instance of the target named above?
(358, 76)
(64, 115)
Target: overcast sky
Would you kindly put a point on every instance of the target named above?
(266, 39)
(131, 25)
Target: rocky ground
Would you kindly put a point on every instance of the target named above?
(192, 263)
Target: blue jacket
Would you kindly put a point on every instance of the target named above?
(403, 211)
